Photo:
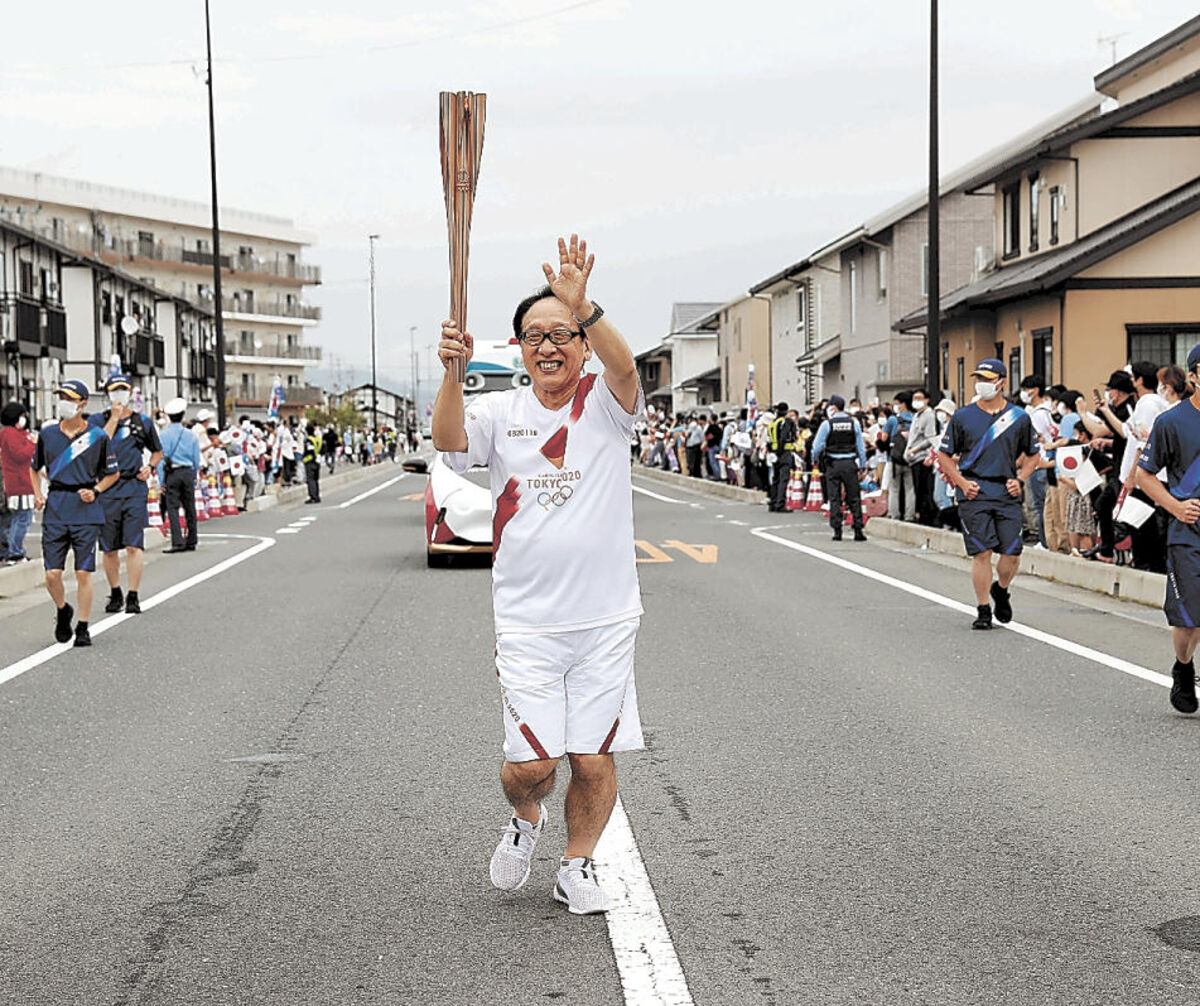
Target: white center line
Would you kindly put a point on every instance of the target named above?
(646, 958)
(36, 659)
(656, 496)
(371, 492)
(1066, 645)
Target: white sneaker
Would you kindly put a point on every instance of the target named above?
(577, 887)
(514, 854)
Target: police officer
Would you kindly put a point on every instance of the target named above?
(783, 439)
(839, 444)
(77, 459)
(177, 473)
(131, 434)
(312, 462)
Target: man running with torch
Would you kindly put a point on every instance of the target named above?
(564, 581)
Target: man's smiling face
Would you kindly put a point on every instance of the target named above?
(553, 369)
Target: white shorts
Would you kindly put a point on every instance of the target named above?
(569, 692)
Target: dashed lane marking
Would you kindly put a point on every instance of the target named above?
(1066, 645)
(50, 652)
(371, 492)
(646, 960)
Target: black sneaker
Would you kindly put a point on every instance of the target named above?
(837, 534)
(62, 625)
(116, 601)
(1002, 602)
(132, 607)
(984, 619)
(82, 636)
(1183, 691)
(858, 534)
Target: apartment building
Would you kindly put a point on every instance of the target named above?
(165, 245)
(378, 408)
(1097, 235)
(744, 342)
(65, 314)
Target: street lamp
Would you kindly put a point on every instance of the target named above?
(933, 329)
(216, 230)
(372, 238)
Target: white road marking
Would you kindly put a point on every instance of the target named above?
(1066, 645)
(646, 958)
(739, 523)
(299, 524)
(36, 659)
(656, 496)
(371, 492)
(287, 530)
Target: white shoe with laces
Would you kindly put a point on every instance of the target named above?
(577, 887)
(514, 855)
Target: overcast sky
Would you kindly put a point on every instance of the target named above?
(699, 147)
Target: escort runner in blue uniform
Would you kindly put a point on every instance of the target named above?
(76, 458)
(132, 434)
(839, 452)
(1174, 447)
(988, 454)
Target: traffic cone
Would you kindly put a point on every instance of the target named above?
(214, 498)
(153, 512)
(795, 490)
(815, 499)
(201, 509)
(228, 501)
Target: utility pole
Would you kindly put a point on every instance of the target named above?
(216, 230)
(372, 238)
(416, 377)
(933, 330)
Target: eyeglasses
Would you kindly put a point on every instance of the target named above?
(558, 337)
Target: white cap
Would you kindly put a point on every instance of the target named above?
(204, 414)
(175, 407)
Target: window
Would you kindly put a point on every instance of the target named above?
(1162, 344)
(26, 279)
(46, 284)
(881, 268)
(925, 270)
(853, 296)
(1054, 215)
(1011, 196)
(146, 244)
(1033, 212)
(801, 309)
(1014, 370)
(1041, 362)
(737, 331)
(960, 379)
(248, 386)
(57, 228)
(946, 365)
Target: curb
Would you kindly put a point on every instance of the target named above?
(1120, 582)
(704, 486)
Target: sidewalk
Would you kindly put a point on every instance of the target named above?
(29, 576)
(1120, 582)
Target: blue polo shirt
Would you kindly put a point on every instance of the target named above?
(134, 433)
(81, 461)
(1174, 444)
(998, 462)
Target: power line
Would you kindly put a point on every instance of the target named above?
(298, 57)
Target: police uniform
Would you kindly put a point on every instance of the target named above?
(125, 512)
(312, 464)
(180, 463)
(783, 435)
(840, 442)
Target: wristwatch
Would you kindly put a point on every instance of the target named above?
(597, 314)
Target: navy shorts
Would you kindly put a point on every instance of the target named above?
(991, 525)
(57, 539)
(1182, 603)
(125, 523)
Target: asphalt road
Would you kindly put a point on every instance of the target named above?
(279, 785)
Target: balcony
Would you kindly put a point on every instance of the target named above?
(55, 332)
(36, 328)
(277, 352)
(274, 308)
(250, 392)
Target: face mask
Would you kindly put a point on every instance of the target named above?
(65, 409)
(119, 398)
(1162, 391)
(1026, 397)
(22, 423)
(831, 412)
(986, 390)
(918, 404)
(854, 410)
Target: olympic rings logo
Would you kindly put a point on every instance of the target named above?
(557, 498)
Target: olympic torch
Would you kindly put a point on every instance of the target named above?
(462, 116)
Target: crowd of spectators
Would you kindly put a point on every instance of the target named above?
(1076, 503)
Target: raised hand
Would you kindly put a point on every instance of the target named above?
(569, 285)
(455, 345)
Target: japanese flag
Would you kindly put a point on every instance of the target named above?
(1069, 460)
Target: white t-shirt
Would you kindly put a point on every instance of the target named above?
(562, 507)
(1137, 429)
